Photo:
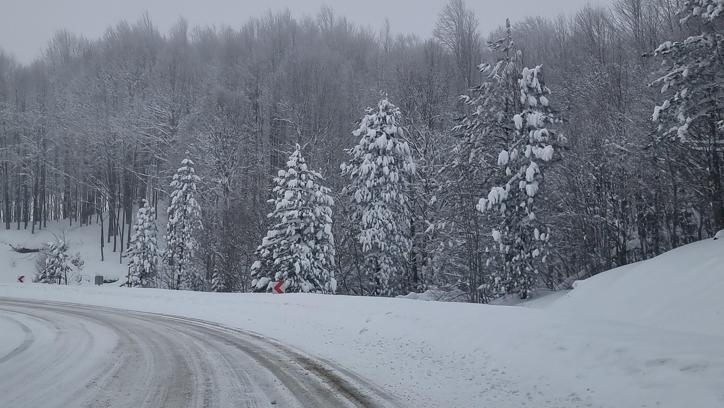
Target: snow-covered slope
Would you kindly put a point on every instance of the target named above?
(83, 240)
(680, 290)
(646, 335)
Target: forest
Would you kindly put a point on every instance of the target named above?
(312, 154)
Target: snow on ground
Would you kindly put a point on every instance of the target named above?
(438, 295)
(12, 336)
(83, 240)
(681, 290)
(538, 298)
(645, 335)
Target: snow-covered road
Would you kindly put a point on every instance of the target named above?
(62, 355)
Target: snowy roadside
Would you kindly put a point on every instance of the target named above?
(81, 240)
(434, 354)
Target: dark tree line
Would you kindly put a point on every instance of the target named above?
(93, 127)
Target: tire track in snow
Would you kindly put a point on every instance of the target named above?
(27, 340)
(103, 357)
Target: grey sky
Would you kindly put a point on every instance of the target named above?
(26, 25)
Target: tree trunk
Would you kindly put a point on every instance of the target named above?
(6, 183)
(111, 201)
(43, 205)
(716, 182)
(99, 209)
(18, 202)
(123, 227)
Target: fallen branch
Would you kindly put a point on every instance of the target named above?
(23, 250)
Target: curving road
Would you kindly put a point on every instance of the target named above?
(67, 355)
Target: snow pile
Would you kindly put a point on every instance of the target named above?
(679, 290)
(539, 298)
(719, 235)
(438, 295)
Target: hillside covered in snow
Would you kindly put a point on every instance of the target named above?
(82, 241)
(680, 290)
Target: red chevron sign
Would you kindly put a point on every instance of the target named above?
(278, 287)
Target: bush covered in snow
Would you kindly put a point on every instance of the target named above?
(142, 251)
(54, 264)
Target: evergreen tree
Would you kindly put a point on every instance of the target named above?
(522, 239)
(693, 111)
(379, 168)
(57, 263)
(493, 104)
(512, 111)
(488, 127)
(184, 219)
(143, 249)
(298, 249)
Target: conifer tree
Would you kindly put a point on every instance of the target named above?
(522, 239)
(507, 136)
(184, 219)
(494, 103)
(379, 169)
(143, 249)
(298, 251)
(487, 128)
(57, 263)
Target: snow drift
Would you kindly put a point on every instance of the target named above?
(679, 290)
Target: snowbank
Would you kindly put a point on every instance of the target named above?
(680, 290)
(438, 295)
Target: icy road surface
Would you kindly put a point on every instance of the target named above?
(67, 355)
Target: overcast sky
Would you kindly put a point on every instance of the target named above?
(26, 25)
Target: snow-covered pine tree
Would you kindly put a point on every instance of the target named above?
(480, 134)
(379, 168)
(57, 263)
(493, 104)
(184, 219)
(142, 251)
(298, 249)
(693, 111)
(521, 238)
